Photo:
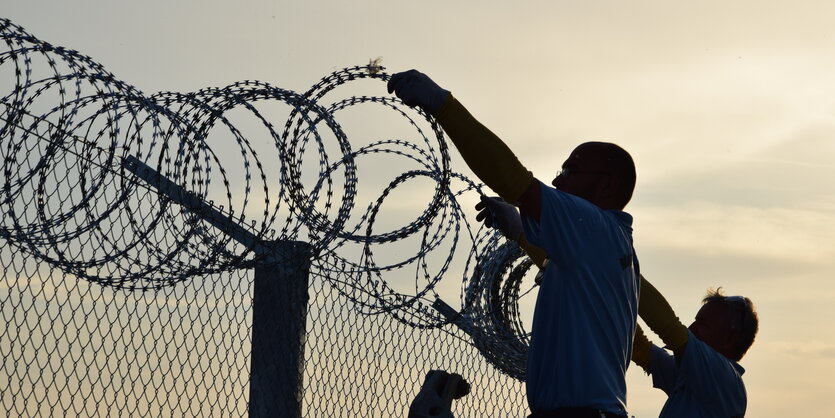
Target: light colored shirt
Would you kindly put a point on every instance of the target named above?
(704, 384)
(586, 309)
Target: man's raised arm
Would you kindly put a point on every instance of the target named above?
(489, 158)
(660, 317)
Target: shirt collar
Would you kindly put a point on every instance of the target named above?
(624, 218)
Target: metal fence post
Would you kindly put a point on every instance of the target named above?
(279, 305)
(279, 317)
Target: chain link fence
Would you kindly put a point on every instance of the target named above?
(132, 227)
(75, 348)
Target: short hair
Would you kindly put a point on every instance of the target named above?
(748, 323)
(619, 163)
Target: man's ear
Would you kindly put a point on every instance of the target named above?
(731, 342)
(607, 190)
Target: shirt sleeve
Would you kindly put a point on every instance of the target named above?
(663, 368)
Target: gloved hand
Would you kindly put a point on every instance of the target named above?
(417, 89)
(496, 213)
(435, 397)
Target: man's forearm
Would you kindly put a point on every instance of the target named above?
(660, 317)
(489, 158)
(641, 349)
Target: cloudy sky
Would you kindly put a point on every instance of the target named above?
(727, 108)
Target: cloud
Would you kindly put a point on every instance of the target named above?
(795, 171)
(828, 352)
(795, 235)
(806, 349)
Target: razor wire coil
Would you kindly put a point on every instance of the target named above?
(67, 126)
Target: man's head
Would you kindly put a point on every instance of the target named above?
(600, 172)
(729, 324)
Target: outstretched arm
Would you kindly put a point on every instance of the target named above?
(660, 317)
(489, 158)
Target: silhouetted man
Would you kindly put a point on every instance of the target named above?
(585, 315)
(702, 378)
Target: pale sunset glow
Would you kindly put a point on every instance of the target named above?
(728, 109)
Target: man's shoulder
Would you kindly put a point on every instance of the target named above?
(557, 200)
(704, 363)
(553, 196)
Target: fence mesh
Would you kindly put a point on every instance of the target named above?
(132, 226)
(75, 348)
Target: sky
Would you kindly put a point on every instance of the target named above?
(726, 107)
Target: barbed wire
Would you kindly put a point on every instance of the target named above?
(73, 139)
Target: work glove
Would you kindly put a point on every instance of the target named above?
(435, 397)
(496, 213)
(417, 89)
